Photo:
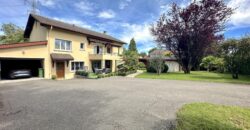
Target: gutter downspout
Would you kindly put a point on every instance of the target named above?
(48, 39)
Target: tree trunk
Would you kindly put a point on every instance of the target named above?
(235, 76)
(186, 69)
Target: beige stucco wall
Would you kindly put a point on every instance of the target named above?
(79, 55)
(173, 66)
(36, 52)
(38, 33)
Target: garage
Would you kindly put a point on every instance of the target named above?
(7, 65)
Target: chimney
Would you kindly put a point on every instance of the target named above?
(105, 32)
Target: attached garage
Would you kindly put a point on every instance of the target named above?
(24, 58)
(10, 64)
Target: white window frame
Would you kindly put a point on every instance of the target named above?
(63, 42)
(82, 49)
(101, 49)
(75, 66)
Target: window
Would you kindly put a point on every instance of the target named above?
(75, 66)
(62, 45)
(82, 47)
(97, 50)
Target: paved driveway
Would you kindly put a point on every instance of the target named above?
(107, 104)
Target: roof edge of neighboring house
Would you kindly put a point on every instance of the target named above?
(22, 44)
(70, 27)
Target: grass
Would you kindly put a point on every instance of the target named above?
(92, 76)
(198, 76)
(205, 116)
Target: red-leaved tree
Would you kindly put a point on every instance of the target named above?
(187, 32)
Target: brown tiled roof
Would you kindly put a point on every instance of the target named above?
(61, 57)
(22, 44)
(69, 27)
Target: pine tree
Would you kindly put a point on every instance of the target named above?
(132, 46)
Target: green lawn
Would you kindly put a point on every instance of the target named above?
(198, 76)
(205, 116)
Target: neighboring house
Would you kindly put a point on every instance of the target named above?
(60, 49)
(170, 59)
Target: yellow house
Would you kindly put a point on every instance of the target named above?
(60, 49)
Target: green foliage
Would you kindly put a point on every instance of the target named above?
(92, 76)
(12, 33)
(141, 65)
(157, 63)
(82, 73)
(213, 63)
(150, 69)
(132, 46)
(53, 77)
(206, 116)
(131, 60)
(244, 48)
(151, 50)
(237, 56)
(107, 75)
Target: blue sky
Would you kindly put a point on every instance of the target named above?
(123, 19)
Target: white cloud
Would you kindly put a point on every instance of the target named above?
(241, 16)
(141, 33)
(85, 7)
(124, 4)
(107, 14)
(75, 22)
(47, 3)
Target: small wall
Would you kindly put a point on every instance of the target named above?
(173, 66)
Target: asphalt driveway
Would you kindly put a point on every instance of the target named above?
(115, 103)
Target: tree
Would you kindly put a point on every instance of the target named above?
(212, 62)
(143, 54)
(12, 34)
(237, 56)
(131, 60)
(208, 62)
(187, 32)
(157, 63)
(232, 57)
(151, 50)
(132, 46)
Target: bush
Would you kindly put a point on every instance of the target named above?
(92, 76)
(141, 66)
(212, 63)
(150, 69)
(106, 75)
(126, 73)
(82, 73)
(53, 77)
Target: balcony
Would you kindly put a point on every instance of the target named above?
(100, 56)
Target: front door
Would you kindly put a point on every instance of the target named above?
(60, 69)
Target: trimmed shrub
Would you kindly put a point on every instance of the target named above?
(150, 69)
(53, 77)
(82, 73)
(141, 66)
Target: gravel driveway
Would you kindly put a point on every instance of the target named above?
(115, 103)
